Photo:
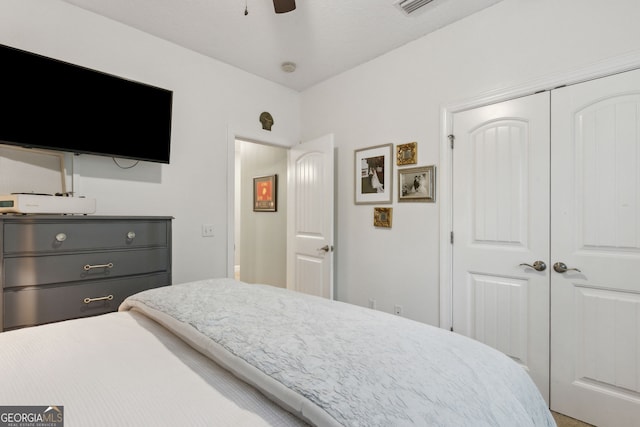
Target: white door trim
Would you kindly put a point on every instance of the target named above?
(252, 136)
(599, 69)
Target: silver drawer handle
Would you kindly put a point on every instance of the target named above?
(107, 298)
(131, 235)
(61, 237)
(91, 267)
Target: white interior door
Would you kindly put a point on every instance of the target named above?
(310, 251)
(595, 334)
(500, 223)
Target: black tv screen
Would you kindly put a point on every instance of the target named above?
(51, 104)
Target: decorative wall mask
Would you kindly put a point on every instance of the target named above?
(266, 120)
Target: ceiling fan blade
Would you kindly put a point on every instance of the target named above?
(284, 6)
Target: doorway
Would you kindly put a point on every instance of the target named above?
(305, 204)
(260, 236)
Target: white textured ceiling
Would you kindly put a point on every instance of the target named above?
(323, 37)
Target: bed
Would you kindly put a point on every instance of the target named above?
(220, 352)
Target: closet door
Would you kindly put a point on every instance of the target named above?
(501, 230)
(595, 234)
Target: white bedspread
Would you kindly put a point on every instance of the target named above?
(123, 369)
(338, 364)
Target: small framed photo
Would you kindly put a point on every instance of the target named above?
(407, 154)
(265, 193)
(417, 184)
(382, 217)
(373, 174)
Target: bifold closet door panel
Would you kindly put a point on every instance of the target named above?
(501, 230)
(595, 247)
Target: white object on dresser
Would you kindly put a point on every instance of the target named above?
(46, 204)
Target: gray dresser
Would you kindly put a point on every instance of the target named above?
(55, 267)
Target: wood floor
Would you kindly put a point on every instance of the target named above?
(564, 421)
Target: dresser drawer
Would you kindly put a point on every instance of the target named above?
(79, 235)
(34, 306)
(58, 268)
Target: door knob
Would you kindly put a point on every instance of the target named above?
(538, 265)
(561, 267)
(326, 248)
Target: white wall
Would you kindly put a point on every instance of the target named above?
(209, 99)
(398, 98)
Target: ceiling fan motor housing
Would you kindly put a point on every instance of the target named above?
(284, 6)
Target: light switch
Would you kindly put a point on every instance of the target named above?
(207, 230)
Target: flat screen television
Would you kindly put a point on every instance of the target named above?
(51, 104)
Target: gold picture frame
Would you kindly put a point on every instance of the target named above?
(407, 154)
(417, 184)
(382, 217)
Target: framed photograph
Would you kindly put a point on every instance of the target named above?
(417, 184)
(407, 154)
(382, 217)
(373, 174)
(265, 192)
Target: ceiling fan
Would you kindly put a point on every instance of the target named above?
(284, 6)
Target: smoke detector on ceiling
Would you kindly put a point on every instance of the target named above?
(288, 67)
(411, 6)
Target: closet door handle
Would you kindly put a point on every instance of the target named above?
(538, 265)
(561, 267)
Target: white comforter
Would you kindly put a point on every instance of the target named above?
(337, 364)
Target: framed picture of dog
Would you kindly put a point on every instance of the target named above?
(417, 184)
(373, 174)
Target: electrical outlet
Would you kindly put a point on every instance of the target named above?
(207, 230)
(372, 303)
(397, 309)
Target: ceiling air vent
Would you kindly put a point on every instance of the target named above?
(410, 6)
